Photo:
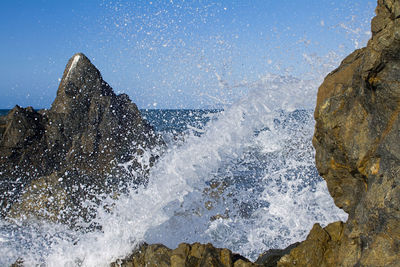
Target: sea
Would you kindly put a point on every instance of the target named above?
(242, 177)
(4, 112)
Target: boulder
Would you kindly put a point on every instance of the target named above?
(357, 146)
(72, 150)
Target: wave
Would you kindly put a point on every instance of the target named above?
(247, 182)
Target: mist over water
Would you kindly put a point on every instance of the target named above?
(243, 177)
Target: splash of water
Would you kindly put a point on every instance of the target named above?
(237, 185)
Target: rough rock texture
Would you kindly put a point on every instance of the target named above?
(195, 255)
(58, 157)
(357, 146)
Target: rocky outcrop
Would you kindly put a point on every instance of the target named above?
(357, 146)
(54, 159)
(195, 255)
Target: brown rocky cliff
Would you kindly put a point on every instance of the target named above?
(75, 144)
(357, 146)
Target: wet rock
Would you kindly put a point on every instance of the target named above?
(22, 128)
(72, 150)
(357, 146)
(44, 197)
(194, 255)
(93, 125)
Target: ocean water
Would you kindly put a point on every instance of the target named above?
(242, 178)
(177, 121)
(4, 112)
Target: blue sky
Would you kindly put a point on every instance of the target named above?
(169, 54)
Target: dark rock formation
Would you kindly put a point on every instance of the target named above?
(195, 255)
(357, 146)
(22, 128)
(56, 158)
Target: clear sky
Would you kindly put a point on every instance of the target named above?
(171, 54)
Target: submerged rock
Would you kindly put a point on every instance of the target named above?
(51, 160)
(357, 146)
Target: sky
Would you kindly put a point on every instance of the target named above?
(173, 54)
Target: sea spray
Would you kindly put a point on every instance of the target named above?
(246, 181)
(178, 180)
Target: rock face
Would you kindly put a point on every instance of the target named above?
(195, 255)
(54, 158)
(357, 146)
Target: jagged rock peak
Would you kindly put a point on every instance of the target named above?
(77, 143)
(76, 65)
(81, 81)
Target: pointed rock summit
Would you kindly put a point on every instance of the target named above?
(80, 83)
(78, 143)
